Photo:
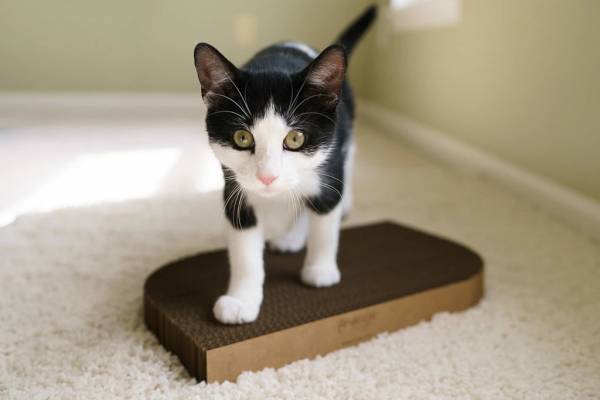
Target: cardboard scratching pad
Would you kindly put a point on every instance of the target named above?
(392, 277)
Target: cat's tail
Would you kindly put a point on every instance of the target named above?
(352, 34)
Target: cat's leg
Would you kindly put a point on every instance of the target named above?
(295, 238)
(347, 199)
(320, 266)
(245, 292)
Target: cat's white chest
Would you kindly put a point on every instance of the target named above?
(277, 215)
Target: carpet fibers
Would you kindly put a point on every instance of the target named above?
(71, 288)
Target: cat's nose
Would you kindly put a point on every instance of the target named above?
(266, 179)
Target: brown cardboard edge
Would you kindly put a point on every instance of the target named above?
(323, 336)
(174, 339)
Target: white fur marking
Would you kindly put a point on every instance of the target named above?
(320, 266)
(302, 47)
(295, 238)
(281, 214)
(242, 302)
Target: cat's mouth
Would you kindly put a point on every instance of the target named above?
(269, 192)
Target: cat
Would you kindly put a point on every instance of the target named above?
(281, 126)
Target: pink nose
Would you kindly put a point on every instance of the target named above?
(266, 179)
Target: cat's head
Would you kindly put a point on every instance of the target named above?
(271, 129)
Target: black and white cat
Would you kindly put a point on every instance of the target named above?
(281, 127)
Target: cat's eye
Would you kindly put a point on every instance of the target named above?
(243, 139)
(294, 140)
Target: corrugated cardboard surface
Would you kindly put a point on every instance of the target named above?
(382, 264)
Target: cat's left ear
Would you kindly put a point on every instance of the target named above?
(326, 73)
(215, 72)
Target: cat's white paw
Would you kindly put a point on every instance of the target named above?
(290, 243)
(321, 275)
(231, 310)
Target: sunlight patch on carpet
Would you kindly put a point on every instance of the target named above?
(99, 178)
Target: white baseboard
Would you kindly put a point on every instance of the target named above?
(572, 207)
(102, 100)
(18, 108)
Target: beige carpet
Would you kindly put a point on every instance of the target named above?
(71, 278)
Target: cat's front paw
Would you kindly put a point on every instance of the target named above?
(231, 310)
(321, 275)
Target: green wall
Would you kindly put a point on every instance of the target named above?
(517, 78)
(145, 45)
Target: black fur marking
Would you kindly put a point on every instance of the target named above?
(238, 212)
(350, 37)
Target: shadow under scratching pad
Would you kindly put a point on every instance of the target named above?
(392, 277)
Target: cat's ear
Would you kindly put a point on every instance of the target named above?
(215, 72)
(326, 73)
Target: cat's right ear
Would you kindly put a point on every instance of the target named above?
(215, 72)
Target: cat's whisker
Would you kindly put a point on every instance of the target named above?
(307, 198)
(230, 179)
(327, 186)
(227, 201)
(242, 118)
(245, 92)
(289, 198)
(236, 209)
(297, 94)
(304, 101)
(242, 198)
(329, 176)
(292, 93)
(316, 113)
(293, 201)
(293, 204)
(240, 93)
(230, 197)
(299, 206)
(233, 101)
